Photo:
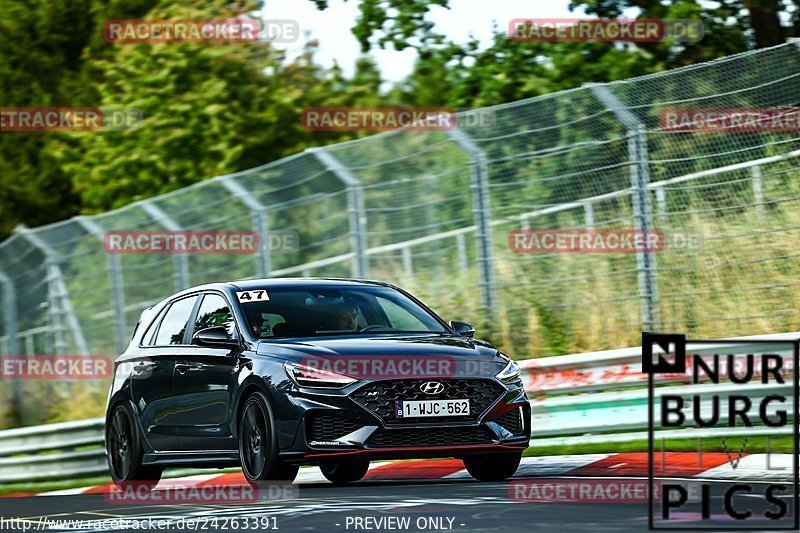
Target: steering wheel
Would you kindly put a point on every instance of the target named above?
(375, 326)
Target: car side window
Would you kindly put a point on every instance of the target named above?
(400, 318)
(174, 323)
(214, 311)
(149, 337)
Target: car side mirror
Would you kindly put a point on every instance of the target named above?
(215, 337)
(463, 329)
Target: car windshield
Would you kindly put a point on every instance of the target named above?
(281, 312)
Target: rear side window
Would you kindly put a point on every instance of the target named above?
(174, 323)
(214, 311)
(149, 337)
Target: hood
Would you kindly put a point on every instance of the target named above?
(456, 356)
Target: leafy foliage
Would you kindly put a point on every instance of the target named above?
(215, 109)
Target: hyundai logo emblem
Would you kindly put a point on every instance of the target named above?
(431, 387)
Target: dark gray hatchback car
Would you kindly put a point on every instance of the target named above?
(272, 374)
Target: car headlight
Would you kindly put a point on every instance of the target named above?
(306, 376)
(510, 372)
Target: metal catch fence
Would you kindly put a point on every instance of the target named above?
(432, 211)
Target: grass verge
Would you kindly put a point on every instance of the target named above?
(756, 444)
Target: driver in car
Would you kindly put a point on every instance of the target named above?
(346, 318)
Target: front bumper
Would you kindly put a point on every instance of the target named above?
(333, 425)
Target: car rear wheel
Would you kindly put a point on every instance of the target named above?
(492, 467)
(258, 445)
(344, 472)
(125, 452)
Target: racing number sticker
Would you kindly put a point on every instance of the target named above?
(252, 296)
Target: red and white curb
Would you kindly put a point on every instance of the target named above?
(711, 466)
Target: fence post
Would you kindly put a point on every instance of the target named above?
(30, 349)
(355, 206)
(10, 324)
(758, 192)
(260, 221)
(181, 262)
(482, 212)
(642, 212)
(588, 214)
(461, 247)
(11, 332)
(661, 201)
(58, 296)
(116, 286)
(408, 265)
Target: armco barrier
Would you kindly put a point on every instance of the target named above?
(52, 451)
(600, 397)
(610, 369)
(576, 399)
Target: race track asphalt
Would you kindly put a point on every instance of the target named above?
(430, 505)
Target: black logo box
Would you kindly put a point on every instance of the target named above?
(663, 365)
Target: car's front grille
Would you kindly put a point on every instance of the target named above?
(512, 421)
(447, 436)
(380, 397)
(321, 427)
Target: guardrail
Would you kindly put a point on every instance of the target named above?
(600, 397)
(52, 451)
(586, 398)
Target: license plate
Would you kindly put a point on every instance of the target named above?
(430, 408)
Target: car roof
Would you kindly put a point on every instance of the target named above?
(266, 283)
(302, 282)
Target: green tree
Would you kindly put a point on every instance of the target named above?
(399, 23)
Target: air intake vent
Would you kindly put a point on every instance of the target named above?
(452, 436)
(512, 421)
(329, 427)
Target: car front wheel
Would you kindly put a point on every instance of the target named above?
(492, 467)
(344, 472)
(258, 445)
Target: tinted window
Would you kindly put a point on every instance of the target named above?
(318, 311)
(264, 325)
(173, 326)
(399, 317)
(147, 318)
(214, 311)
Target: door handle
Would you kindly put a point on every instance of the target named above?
(140, 368)
(243, 362)
(182, 368)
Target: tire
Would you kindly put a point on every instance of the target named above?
(125, 452)
(344, 472)
(492, 467)
(258, 444)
